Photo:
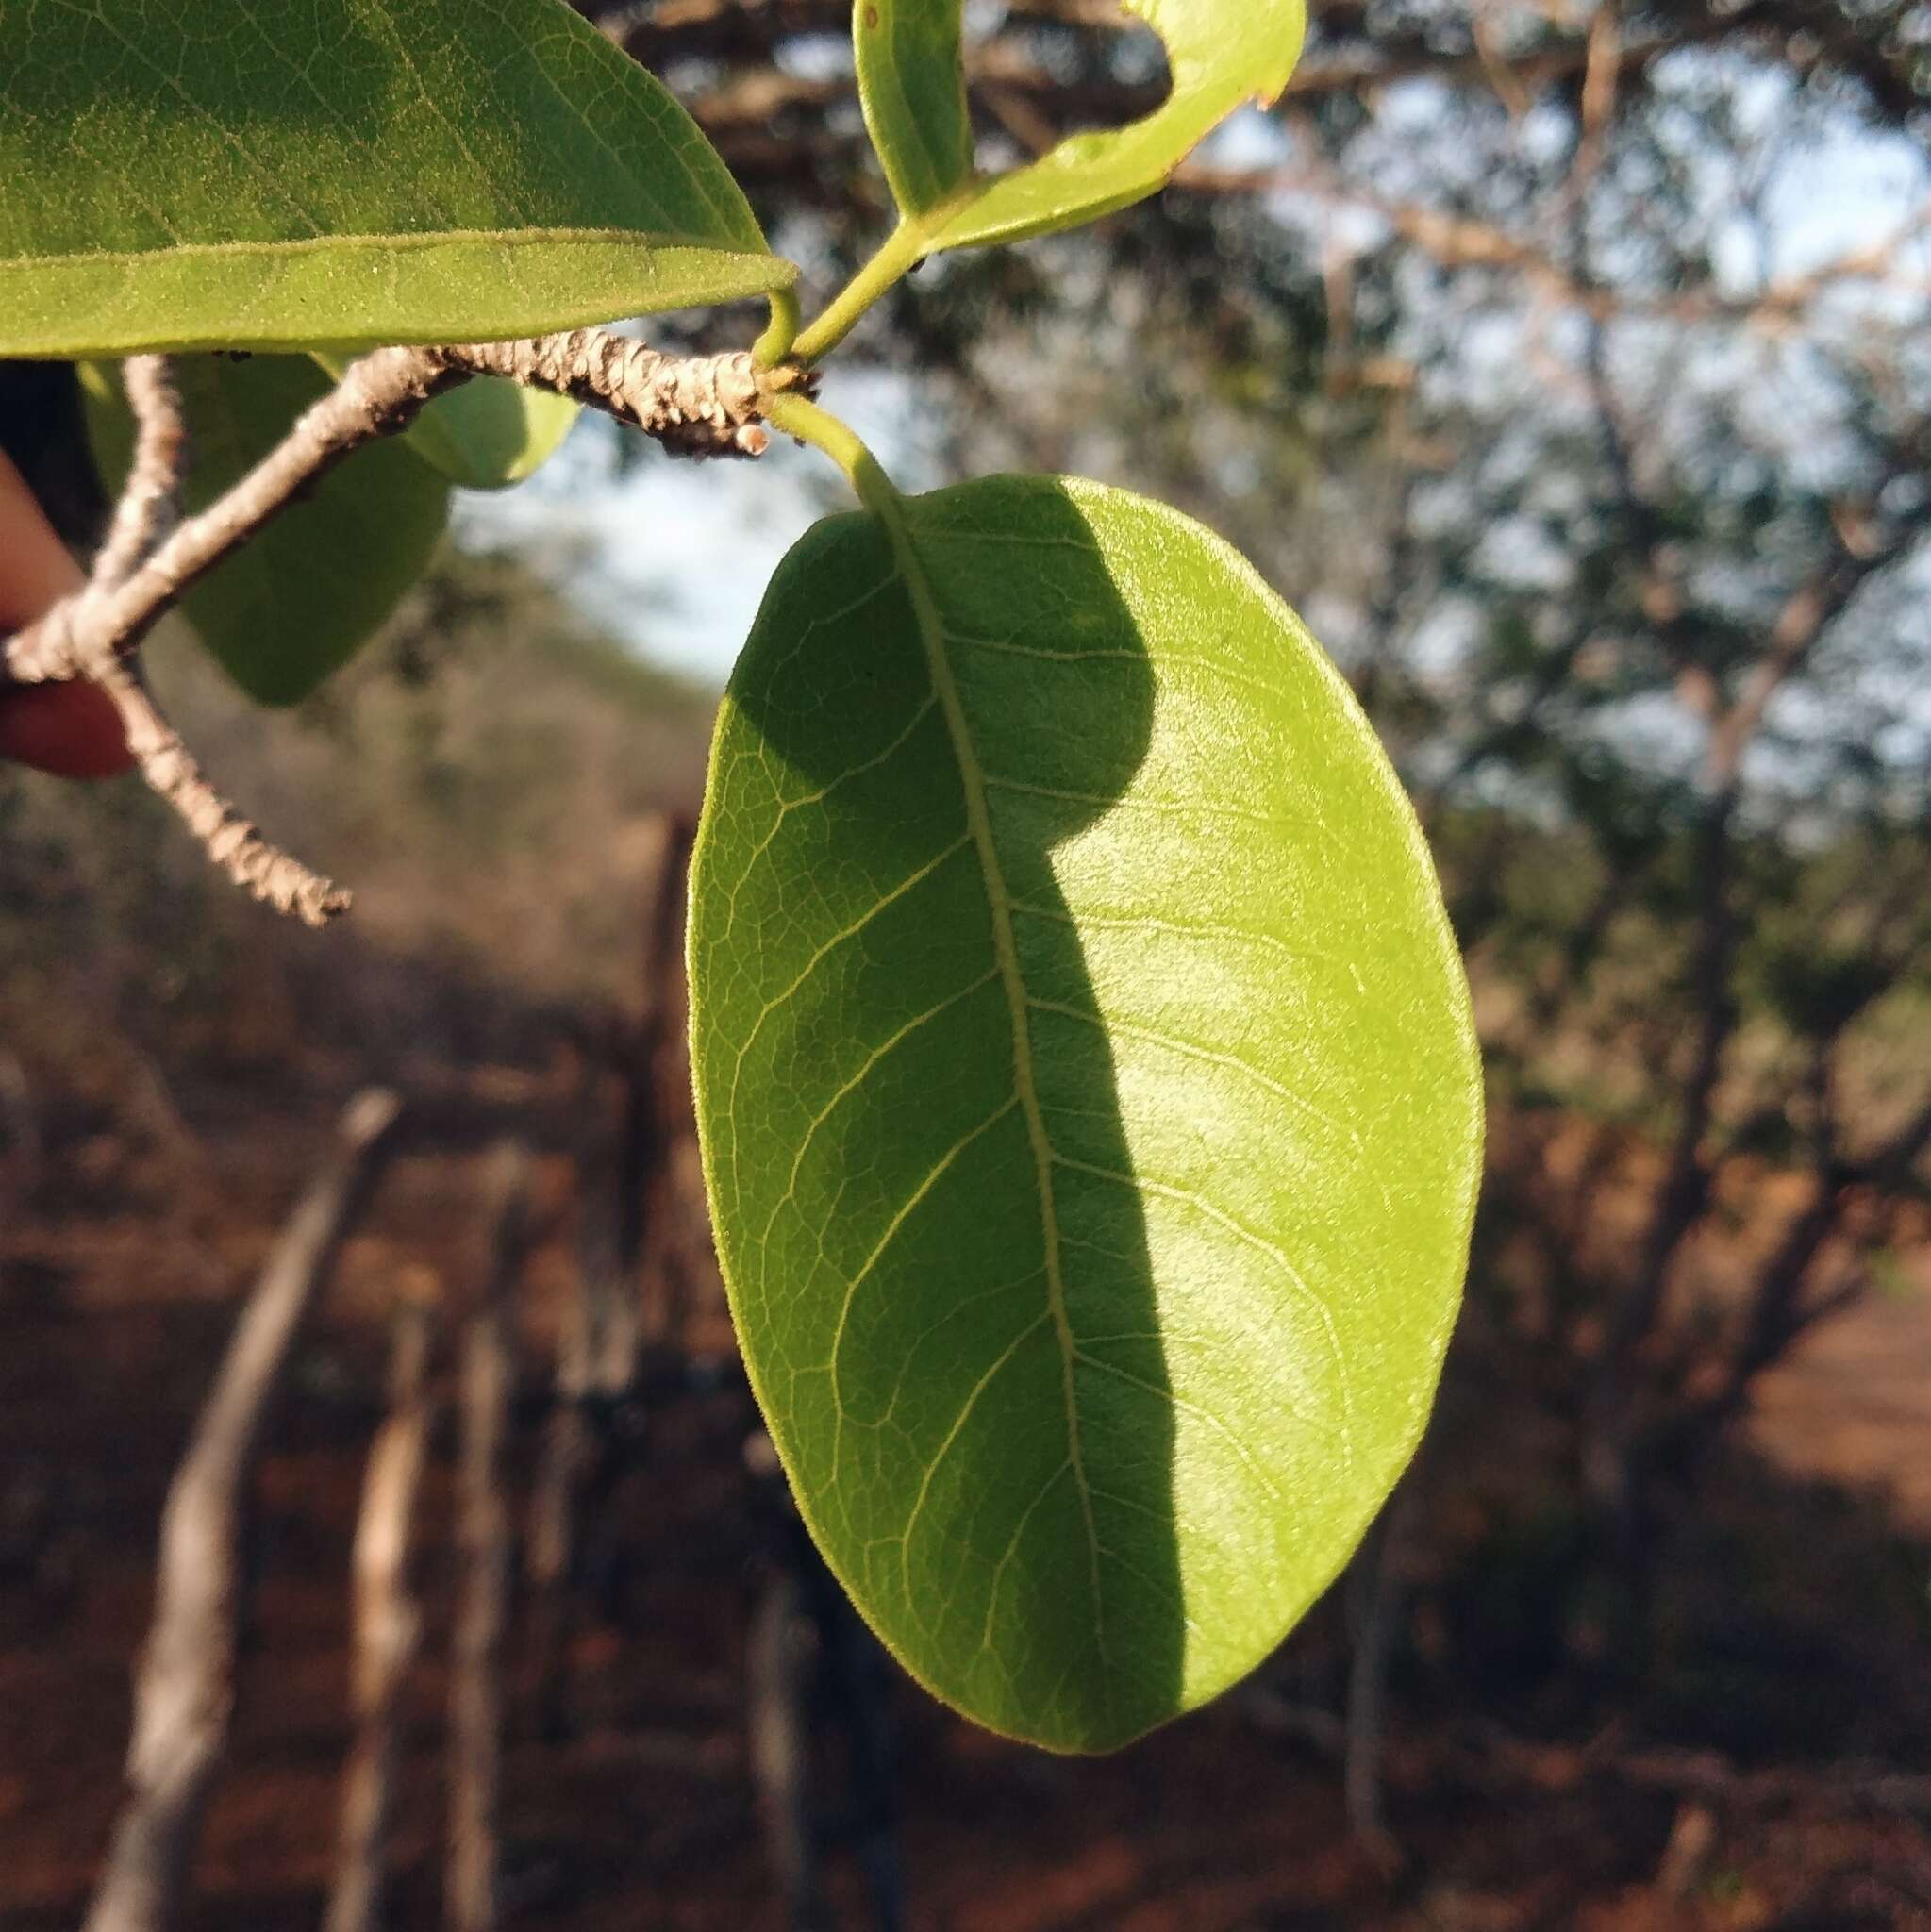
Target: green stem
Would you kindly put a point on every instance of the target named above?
(791, 415)
(901, 250)
(774, 344)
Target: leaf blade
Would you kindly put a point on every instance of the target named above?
(459, 171)
(912, 87)
(912, 90)
(993, 1335)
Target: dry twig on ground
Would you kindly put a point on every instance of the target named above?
(487, 1376)
(387, 1627)
(184, 1688)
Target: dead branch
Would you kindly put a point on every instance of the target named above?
(781, 1663)
(184, 1692)
(780, 1660)
(1460, 242)
(706, 403)
(596, 1364)
(475, 1717)
(1496, 1757)
(1374, 1596)
(597, 1355)
(1807, 616)
(388, 1627)
(657, 1111)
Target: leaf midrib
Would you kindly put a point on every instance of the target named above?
(421, 237)
(889, 507)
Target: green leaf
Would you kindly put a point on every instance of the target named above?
(1088, 1093)
(911, 85)
(182, 173)
(484, 434)
(912, 89)
(292, 606)
(489, 433)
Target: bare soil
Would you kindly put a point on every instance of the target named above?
(1738, 1787)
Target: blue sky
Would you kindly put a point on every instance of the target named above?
(673, 557)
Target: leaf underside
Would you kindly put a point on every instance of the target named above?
(183, 173)
(489, 433)
(486, 433)
(292, 606)
(911, 85)
(1088, 1095)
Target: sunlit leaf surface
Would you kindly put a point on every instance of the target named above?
(1088, 1093)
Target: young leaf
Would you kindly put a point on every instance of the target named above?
(193, 175)
(910, 83)
(484, 434)
(1089, 1098)
(912, 89)
(292, 606)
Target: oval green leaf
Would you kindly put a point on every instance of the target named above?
(294, 605)
(911, 85)
(1088, 1093)
(180, 173)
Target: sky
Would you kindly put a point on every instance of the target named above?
(672, 556)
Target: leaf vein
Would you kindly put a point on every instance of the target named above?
(1250, 1238)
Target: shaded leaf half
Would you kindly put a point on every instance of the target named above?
(911, 85)
(1089, 1098)
(180, 173)
(292, 606)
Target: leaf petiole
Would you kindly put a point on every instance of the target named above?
(793, 415)
(774, 344)
(898, 255)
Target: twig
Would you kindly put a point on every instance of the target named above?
(147, 511)
(388, 1627)
(1374, 1591)
(150, 499)
(709, 406)
(472, 1882)
(696, 406)
(782, 1659)
(709, 403)
(262, 869)
(184, 1692)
